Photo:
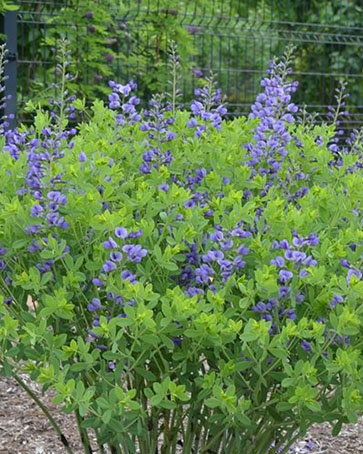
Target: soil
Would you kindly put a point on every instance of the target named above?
(25, 430)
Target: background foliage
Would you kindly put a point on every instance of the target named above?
(234, 39)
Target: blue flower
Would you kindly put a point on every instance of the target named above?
(285, 276)
(243, 250)
(127, 275)
(111, 366)
(239, 262)
(94, 305)
(313, 239)
(177, 341)
(309, 261)
(135, 234)
(121, 232)
(278, 261)
(110, 244)
(114, 101)
(226, 244)
(163, 187)
(212, 256)
(98, 282)
(36, 211)
(284, 291)
(353, 272)
(82, 157)
(260, 307)
(240, 233)
(135, 252)
(305, 345)
(203, 274)
(193, 291)
(169, 136)
(345, 263)
(192, 123)
(295, 256)
(116, 256)
(109, 266)
(335, 300)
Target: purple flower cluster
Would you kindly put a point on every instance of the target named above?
(292, 260)
(274, 109)
(337, 115)
(16, 142)
(207, 109)
(41, 153)
(154, 158)
(266, 309)
(158, 120)
(120, 99)
(214, 266)
(133, 253)
(293, 255)
(94, 305)
(337, 299)
(119, 255)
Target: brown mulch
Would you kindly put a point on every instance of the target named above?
(25, 430)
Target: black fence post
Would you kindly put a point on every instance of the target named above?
(8, 25)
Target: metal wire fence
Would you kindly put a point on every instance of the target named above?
(233, 39)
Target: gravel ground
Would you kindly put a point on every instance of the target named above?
(25, 430)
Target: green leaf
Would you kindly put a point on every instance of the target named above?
(212, 402)
(337, 428)
(170, 266)
(283, 406)
(313, 406)
(78, 367)
(106, 417)
(155, 400)
(6, 370)
(18, 244)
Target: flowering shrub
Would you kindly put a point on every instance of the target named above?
(179, 280)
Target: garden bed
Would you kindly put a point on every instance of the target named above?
(24, 429)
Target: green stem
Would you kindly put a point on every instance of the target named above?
(264, 442)
(213, 441)
(154, 431)
(46, 412)
(84, 435)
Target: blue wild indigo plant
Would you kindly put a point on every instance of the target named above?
(182, 282)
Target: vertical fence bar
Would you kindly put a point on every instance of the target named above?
(8, 25)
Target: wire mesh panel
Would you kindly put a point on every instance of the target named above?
(233, 39)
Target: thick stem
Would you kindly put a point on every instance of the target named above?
(154, 433)
(214, 440)
(83, 434)
(46, 412)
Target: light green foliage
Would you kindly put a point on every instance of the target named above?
(230, 384)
